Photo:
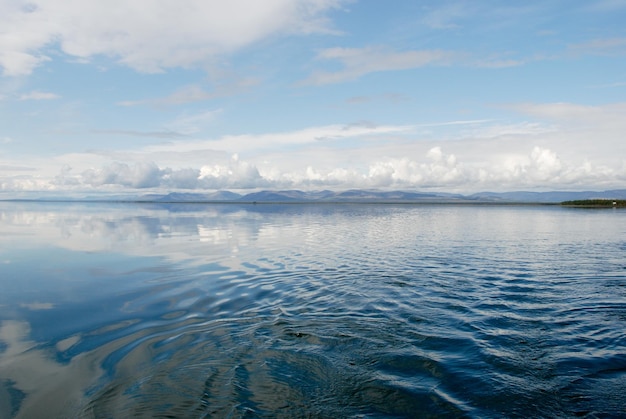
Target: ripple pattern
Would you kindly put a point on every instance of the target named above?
(372, 312)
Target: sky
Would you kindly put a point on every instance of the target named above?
(150, 96)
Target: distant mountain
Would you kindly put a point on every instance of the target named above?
(277, 196)
(192, 197)
(354, 195)
(363, 195)
(547, 197)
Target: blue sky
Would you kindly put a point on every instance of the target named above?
(201, 95)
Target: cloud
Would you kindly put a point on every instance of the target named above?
(139, 175)
(551, 146)
(196, 93)
(37, 95)
(497, 62)
(15, 168)
(544, 164)
(37, 306)
(435, 169)
(15, 63)
(395, 98)
(132, 133)
(252, 143)
(445, 17)
(187, 94)
(601, 46)
(188, 124)
(459, 122)
(496, 129)
(605, 6)
(232, 174)
(609, 85)
(357, 62)
(182, 126)
(601, 117)
(238, 174)
(145, 35)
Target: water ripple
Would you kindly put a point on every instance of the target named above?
(349, 312)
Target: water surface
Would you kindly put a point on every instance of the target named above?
(137, 310)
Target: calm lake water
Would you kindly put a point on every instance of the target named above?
(311, 311)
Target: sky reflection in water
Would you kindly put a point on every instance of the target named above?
(319, 310)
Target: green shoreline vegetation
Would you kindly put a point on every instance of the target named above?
(596, 203)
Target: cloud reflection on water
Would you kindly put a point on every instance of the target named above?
(134, 308)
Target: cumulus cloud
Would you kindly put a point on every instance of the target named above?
(544, 164)
(145, 35)
(139, 175)
(436, 169)
(231, 174)
(235, 174)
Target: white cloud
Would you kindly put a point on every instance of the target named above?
(197, 93)
(231, 174)
(357, 62)
(15, 168)
(37, 95)
(187, 124)
(139, 175)
(446, 16)
(251, 143)
(500, 130)
(600, 46)
(17, 63)
(544, 164)
(613, 114)
(594, 132)
(435, 169)
(498, 62)
(562, 146)
(133, 133)
(145, 35)
(235, 174)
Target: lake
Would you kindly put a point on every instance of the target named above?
(311, 311)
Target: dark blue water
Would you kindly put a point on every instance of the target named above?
(311, 311)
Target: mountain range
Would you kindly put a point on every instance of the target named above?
(362, 195)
